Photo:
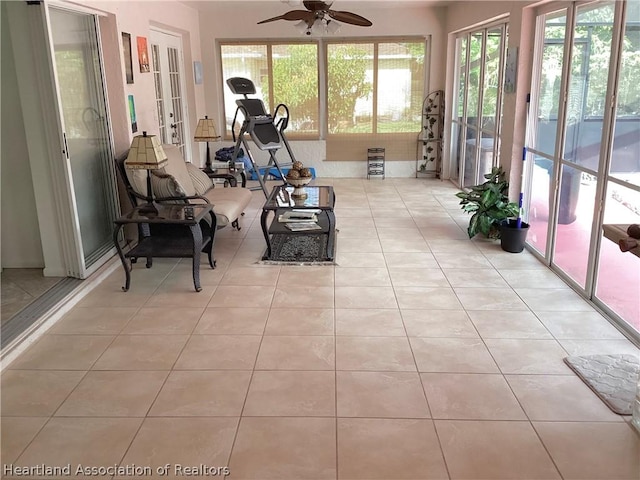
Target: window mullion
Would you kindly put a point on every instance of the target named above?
(270, 70)
(374, 123)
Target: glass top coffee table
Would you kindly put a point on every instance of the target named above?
(310, 219)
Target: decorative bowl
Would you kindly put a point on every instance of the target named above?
(298, 184)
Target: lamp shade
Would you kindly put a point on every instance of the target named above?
(146, 153)
(206, 130)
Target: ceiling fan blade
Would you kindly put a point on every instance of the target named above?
(292, 16)
(315, 5)
(348, 17)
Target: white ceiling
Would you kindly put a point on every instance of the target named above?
(281, 6)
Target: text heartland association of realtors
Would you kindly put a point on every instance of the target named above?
(117, 470)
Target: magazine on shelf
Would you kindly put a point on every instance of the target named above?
(298, 216)
(287, 219)
(305, 211)
(302, 226)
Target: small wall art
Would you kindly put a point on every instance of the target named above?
(197, 72)
(132, 114)
(143, 54)
(126, 53)
(511, 70)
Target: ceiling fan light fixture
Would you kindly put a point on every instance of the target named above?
(302, 27)
(318, 28)
(332, 27)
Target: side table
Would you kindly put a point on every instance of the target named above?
(169, 231)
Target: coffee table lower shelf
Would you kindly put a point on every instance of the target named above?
(301, 247)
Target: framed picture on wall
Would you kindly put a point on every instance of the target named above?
(511, 70)
(197, 72)
(132, 114)
(143, 54)
(126, 53)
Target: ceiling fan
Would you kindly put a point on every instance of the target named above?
(319, 11)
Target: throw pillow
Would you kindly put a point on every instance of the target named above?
(201, 181)
(165, 186)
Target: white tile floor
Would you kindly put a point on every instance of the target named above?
(420, 355)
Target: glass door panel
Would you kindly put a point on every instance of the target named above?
(475, 70)
(473, 105)
(157, 80)
(619, 272)
(541, 174)
(177, 107)
(625, 159)
(462, 78)
(492, 79)
(586, 100)
(548, 94)
(456, 151)
(575, 220)
(79, 82)
(457, 126)
(470, 155)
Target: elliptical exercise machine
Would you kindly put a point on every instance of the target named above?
(266, 133)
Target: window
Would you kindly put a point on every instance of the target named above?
(374, 90)
(282, 73)
(374, 95)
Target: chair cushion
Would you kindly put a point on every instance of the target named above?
(177, 168)
(228, 203)
(201, 181)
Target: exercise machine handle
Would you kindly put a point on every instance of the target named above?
(283, 122)
(235, 118)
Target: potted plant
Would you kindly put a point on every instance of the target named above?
(494, 216)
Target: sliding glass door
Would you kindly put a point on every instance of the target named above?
(477, 114)
(86, 137)
(617, 277)
(582, 153)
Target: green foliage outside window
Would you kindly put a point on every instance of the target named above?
(295, 83)
(347, 82)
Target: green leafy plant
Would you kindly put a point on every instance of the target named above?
(489, 203)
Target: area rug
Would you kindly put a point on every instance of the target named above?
(614, 378)
(305, 249)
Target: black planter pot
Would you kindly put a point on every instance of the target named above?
(512, 238)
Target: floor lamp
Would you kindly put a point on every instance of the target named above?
(146, 153)
(206, 132)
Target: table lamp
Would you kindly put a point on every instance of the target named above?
(206, 132)
(146, 153)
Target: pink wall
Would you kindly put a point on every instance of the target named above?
(138, 18)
